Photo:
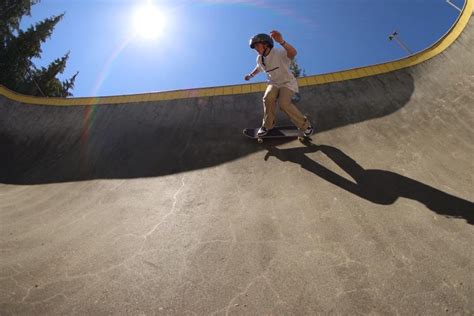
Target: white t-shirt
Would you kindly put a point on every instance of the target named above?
(277, 67)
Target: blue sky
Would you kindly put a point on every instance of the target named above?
(204, 43)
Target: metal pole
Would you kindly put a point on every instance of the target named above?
(399, 41)
(394, 36)
(448, 1)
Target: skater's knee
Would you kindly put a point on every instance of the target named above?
(268, 99)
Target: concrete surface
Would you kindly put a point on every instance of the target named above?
(166, 208)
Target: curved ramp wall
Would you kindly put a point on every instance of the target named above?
(56, 140)
(183, 214)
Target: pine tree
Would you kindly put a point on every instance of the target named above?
(296, 70)
(19, 47)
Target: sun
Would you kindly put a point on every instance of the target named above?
(148, 21)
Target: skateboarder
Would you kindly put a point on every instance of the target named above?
(275, 62)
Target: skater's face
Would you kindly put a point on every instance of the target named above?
(260, 48)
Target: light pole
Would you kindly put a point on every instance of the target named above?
(394, 36)
(449, 1)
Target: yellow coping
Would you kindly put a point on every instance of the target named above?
(302, 82)
(237, 90)
(437, 48)
(228, 90)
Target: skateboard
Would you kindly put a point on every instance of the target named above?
(276, 132)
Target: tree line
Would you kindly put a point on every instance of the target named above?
(19, 47)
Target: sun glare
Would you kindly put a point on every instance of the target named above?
(148, 22)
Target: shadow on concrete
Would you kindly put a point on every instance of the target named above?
(48, 144)
(377, 186)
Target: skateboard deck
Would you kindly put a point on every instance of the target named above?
(276, 132)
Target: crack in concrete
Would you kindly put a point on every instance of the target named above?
(173, 208)
(280, 300)
(229, 306)
(112, 267)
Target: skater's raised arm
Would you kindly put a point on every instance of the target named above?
(290, 50)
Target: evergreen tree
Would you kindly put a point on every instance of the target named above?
(296, 70)
(19, 47)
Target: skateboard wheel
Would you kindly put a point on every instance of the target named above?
(260, 140)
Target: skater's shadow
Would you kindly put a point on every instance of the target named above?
(377, 186)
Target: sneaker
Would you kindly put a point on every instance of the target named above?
(308, 131)
(262, 131)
